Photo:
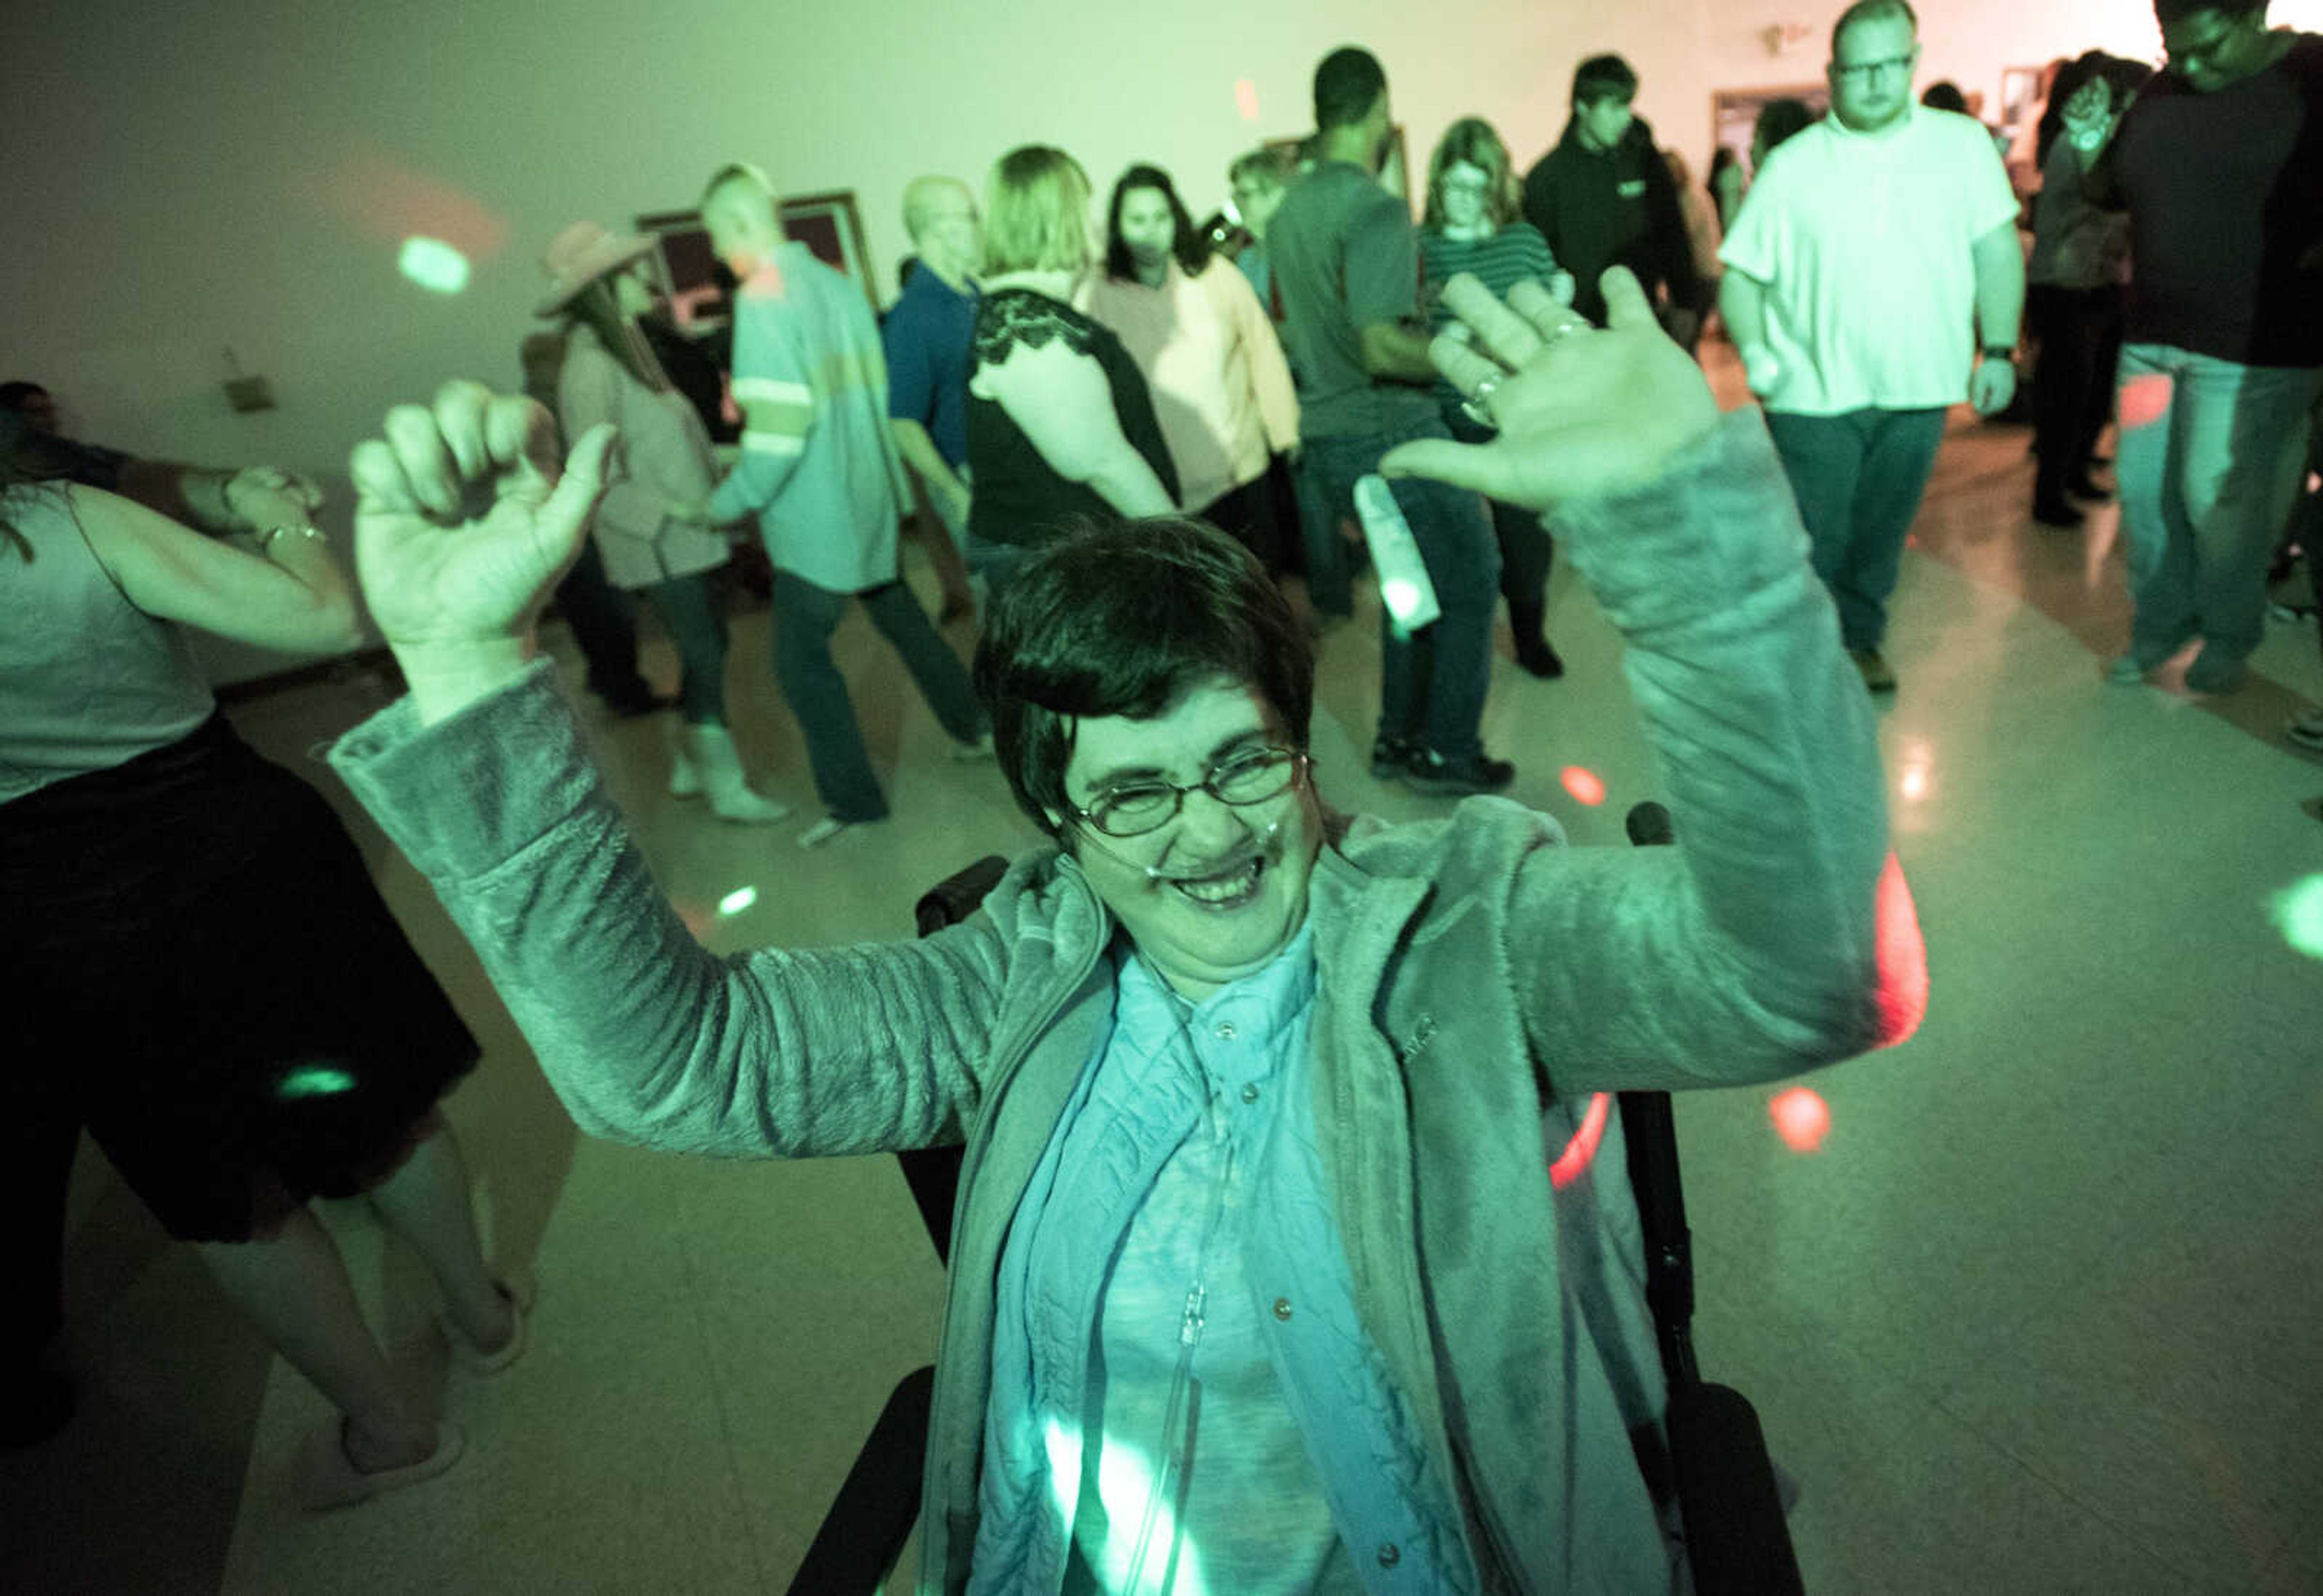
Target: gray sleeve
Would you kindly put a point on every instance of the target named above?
(1381, 264)
(647, 1036)
(1754, 947)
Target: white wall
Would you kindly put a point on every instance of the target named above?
(189, 177)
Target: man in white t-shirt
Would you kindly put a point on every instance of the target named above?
(1875, 246)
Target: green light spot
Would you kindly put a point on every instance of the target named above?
(315, 1080)
(434, 265)
(734, 902)
(2297, 913)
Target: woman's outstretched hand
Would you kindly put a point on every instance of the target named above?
(465, 523)
(1582, 411)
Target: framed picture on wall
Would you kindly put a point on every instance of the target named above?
(2020, 97)
(700, 289)
(1395, 174)
(1734, 112)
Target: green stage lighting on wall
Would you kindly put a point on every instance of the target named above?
(434, 265)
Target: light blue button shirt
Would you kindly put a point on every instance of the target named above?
(1292, 1466)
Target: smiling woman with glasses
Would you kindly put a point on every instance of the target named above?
(1257, 1269)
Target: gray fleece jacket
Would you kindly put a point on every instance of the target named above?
(1475, 975)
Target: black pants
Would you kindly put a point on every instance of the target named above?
(1246, 514)
(2080, 333)
(604, 622)
(1527, 550)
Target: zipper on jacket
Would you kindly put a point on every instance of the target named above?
(971, 1158)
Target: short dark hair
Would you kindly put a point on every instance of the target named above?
(12, 394)
(2169, 12)
(1192, 247)
(1604, 77)
(1348, 85)
(1944, 95)
(1871, 11)
(1779, 120)
(1125, 619)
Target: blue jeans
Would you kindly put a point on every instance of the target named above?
(2209, 469)
(1859, 478)
(1432, 683)
(805, 615)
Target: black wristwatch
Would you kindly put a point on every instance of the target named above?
(2007, 352)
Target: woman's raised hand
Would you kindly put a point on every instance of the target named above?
(1580, 411)
(463, 525)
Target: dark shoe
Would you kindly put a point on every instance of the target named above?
(32, 1407)
(2208, 673)
(1878, 676)
(1536, 657)
(1391, 756)
(2089, 492)
(1430, 771)
(2057, 513)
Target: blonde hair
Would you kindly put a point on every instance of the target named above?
(1036, 212)
(1472, 140)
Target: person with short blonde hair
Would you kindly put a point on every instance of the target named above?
(1060, 424)
(1036, 213)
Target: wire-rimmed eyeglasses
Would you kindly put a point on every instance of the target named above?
(1135, 807)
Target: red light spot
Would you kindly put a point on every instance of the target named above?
(1903, 958)
(1583, 1148)
(2144, 401)
(1802, 1118)
(1246, 100)
(1583, 785)
(1910, 540)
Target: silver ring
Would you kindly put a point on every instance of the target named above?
(1479, 404)
(1566, 329)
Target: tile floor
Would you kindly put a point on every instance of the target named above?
(2041, 1316)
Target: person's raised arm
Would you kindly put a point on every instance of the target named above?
(284, 591)
(483, 780)
(1060, 400)
(1772, 937)
(464, 523)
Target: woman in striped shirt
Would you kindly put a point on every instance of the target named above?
(1471, 225)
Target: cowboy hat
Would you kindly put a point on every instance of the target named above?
(580, 255)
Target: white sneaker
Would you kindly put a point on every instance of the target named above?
(720, 771)
(823, 830)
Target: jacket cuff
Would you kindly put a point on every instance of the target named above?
(464, 796)
(1719, 524)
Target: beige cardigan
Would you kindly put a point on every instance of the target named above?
(1221, 386)
(665, 459)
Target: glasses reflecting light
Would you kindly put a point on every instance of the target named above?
(1135, 808)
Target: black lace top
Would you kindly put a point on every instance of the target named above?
(1017, 497)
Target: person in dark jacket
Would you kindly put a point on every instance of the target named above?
(1603, 198)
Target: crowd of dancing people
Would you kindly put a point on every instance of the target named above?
(1146, 446)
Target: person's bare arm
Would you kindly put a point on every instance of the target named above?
(1395, 351)
(921, 453)
(206, 499)
(1742, 304)
(1063, 405)
(293, 596)
(1999, 286)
